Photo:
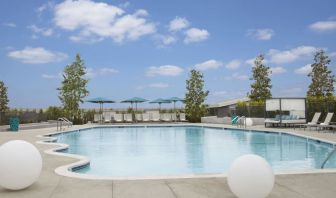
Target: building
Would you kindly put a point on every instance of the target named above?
(225, 108)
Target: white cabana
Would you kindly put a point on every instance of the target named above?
(288, 110)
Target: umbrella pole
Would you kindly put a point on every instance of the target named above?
(174, 112)
(136, 109)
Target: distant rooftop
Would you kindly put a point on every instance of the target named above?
(229, 102)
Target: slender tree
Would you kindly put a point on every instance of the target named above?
(3, 97)
(73, 89)
(322, 83)
(195, 97)
(261, 87)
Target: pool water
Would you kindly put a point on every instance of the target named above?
(159, 151)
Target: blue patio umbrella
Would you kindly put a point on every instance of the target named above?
(175, 99)
(160, 101)
(101, 102)
(135, 100)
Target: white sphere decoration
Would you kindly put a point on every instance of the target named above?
(20, 164)
(249, 121)
(250, 176)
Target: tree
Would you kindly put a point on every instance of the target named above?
(195, 97)
(73, 89)
(322, 84)
(261, 87)
(3, 97)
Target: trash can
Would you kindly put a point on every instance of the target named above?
(14, 123)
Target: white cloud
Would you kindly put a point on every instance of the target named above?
(12, 25)
(237, 76)
(260, 34)
(178, 24)
(234, 64)
(196, 35)
(101, 20)
(37, 55)
(167, 40)
(277, 70)
(251, 61)
(107, 70)
(323, 26)
(158, 85)
(92, 73)
(305, 70)
(165, 70)
(44, 7)
(287, 56)
(50, 76)
(42, 31)
(209, 64)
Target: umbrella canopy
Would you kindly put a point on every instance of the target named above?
(101, 102)
(160, 101)
(135, 100)
(176, 99)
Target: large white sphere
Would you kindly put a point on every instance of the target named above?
(20, 164)
(250, 176)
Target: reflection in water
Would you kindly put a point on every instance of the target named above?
(194, 148)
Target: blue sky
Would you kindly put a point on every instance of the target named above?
(146, 48)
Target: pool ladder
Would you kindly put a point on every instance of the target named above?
(328, 157)
(61, 121)
(241, 122)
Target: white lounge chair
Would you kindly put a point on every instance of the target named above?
(313, 122)
(138, 117)
(118, 117)
(97, 118)
(182, 117)
(146, 117)
(128, 117)
(173, 117)
(326, 122)
(155, 116)
(107, 117)
(166, 117)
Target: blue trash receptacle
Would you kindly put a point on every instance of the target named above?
(14, 123)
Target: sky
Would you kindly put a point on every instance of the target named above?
(147, 48)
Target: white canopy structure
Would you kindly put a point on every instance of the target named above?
(288, 111)
(295, 106)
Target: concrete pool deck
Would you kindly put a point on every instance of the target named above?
(52, 185)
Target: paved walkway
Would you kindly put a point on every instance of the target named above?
(52, 185)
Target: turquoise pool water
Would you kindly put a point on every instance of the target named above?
(155, 151)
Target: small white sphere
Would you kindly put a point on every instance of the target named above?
(250, 176)
(20, 164)
(249, 121)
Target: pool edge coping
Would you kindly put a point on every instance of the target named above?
(65, 170)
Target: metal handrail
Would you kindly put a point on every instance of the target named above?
(241, 122)
(62, 120)
(328, 157)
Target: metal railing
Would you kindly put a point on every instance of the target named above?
(241, 122)
(63, 121)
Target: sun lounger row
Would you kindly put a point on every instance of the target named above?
(139, 117)
(320, 126)
(284, 120)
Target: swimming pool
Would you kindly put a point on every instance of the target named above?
(179, 150)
